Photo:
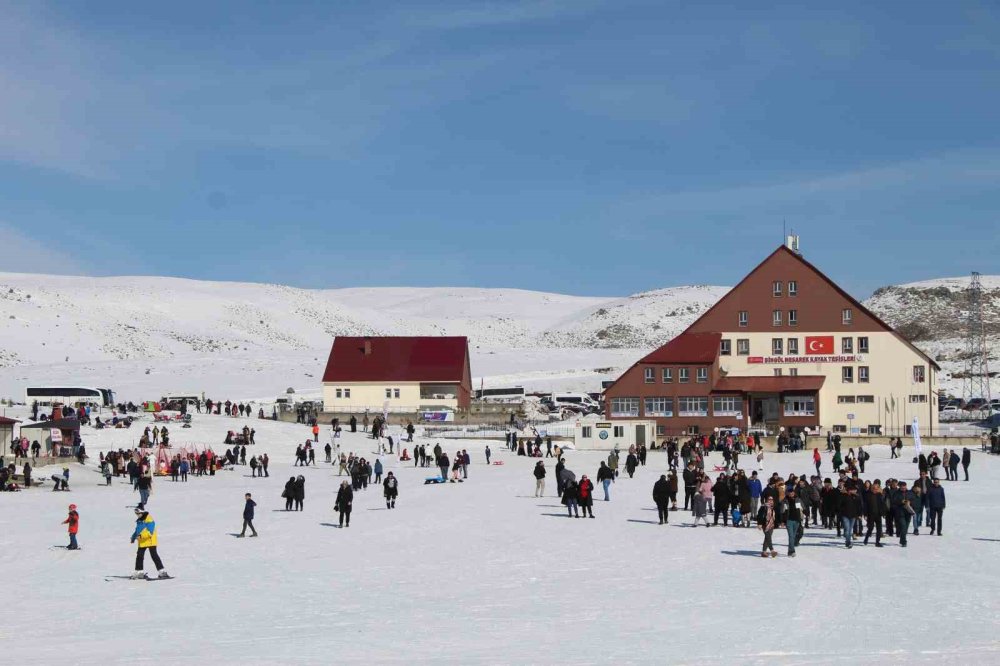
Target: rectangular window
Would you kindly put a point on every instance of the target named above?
(778, 372)
(793, 317)
(793, 346)
(918, 374)
(339, 393)
(727, 405)
(347, 393)
(845, 400)
(659, 406)
(776, 317)
(744, 318)
(586, 432)
(668, 375)
(847, 346)
(793, 288)
(624, 406)
(793, 372)
(388, 393)
(918, 398)
(683, 375)
(395, 393)
(862, 374)
(701, 375)
(776, 288)
(742, 347)
(650, 374)
(862, 345)
(726, 348)
(847, 316)
(619, 431)
(847, 374)
(866, 399)
(874, 430)
(840, 428)
(777, 346)
(692, 430)
(692, 406)
(661, 429)
(800, 405)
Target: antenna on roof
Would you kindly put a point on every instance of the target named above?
(792, 242)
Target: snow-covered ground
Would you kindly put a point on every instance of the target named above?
(478, 572)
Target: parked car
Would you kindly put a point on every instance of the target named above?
(976, 404)
(950, 409)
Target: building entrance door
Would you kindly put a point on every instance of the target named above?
(640, 435)
(765, 409)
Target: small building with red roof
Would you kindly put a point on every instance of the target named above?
(397, 374)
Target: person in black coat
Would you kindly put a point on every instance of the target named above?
(966, 459)
(391, 490)
(631, 462)
(899, 504)
(935, 500)
(850, 509)
(690, 483)
(248, 517)
(560, 466)
(289, 493)
(874, 511)
(661, 496)
(345, 498)
(720, 491)
(300, 492)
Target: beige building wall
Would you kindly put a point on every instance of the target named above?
(890, 364)
(372, 396)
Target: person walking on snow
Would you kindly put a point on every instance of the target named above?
(345, 498)
(73, 526)
(248, 517)
(661, 496)
(539, 473)
(391, 490)
(145, 533)
(586, 496)
(605, 477)
(766, 520)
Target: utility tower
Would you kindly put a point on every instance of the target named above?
(977, 377)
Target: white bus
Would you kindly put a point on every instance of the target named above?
(71, 396)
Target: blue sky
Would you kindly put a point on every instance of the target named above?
(587, 147)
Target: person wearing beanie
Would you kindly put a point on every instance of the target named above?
(73, 526)
(145, 532)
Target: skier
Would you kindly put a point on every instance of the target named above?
(248, 517)
(661, 496)
(145, 532)
(345, 498)
(73, 526)
(391, 490)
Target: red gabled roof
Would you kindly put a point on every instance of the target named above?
(400, 359)
(687, 348)
(6, 421)
(769, 384)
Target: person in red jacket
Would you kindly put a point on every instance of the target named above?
(73, 522)
(585, 496)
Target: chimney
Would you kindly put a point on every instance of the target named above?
(368, 347)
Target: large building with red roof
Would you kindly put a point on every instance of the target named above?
(397, 374)
(785, 348)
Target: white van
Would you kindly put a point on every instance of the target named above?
(580, 401)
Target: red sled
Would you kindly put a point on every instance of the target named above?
(497, 462)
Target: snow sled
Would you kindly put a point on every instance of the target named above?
(497, 462)
(433, 479)
(720, 468)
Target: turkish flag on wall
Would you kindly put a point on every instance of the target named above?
(819, 344)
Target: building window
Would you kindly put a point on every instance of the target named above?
(862, 345)
(918, 398)
(692, 406)
(619, 431)
(776, 317)
(668, 375)
(586, 432)
(624, 406)
(862, 374)
(777, 346)
(866, 399)
(778, 372)
(742, 347)
(744, 318)
(793, 372)
(793, 288)
(650, 374)
(339, 392)
(793, 317)
(661, 429)
(395, 393)
(800, 405)
(726, 348)
(776, 287)
(845, 400)
(388, 393)
(847, 374)
(683, 375)
(840, 428)
(692, 430)
(847, 316)
(347, 393)
(659, 406)
(918, 374)
(874, 430)
(701, 375)
(847, 346)
(793, 346)
(727, 406)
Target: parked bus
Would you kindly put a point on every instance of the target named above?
(69, 395)
(501, 394)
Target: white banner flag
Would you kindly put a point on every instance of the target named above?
(916, 436)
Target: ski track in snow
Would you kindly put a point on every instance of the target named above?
(479, 572)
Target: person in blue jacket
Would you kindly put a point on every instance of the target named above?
(377, 469)
(935, 501)
(248, 516)
(755, 491)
